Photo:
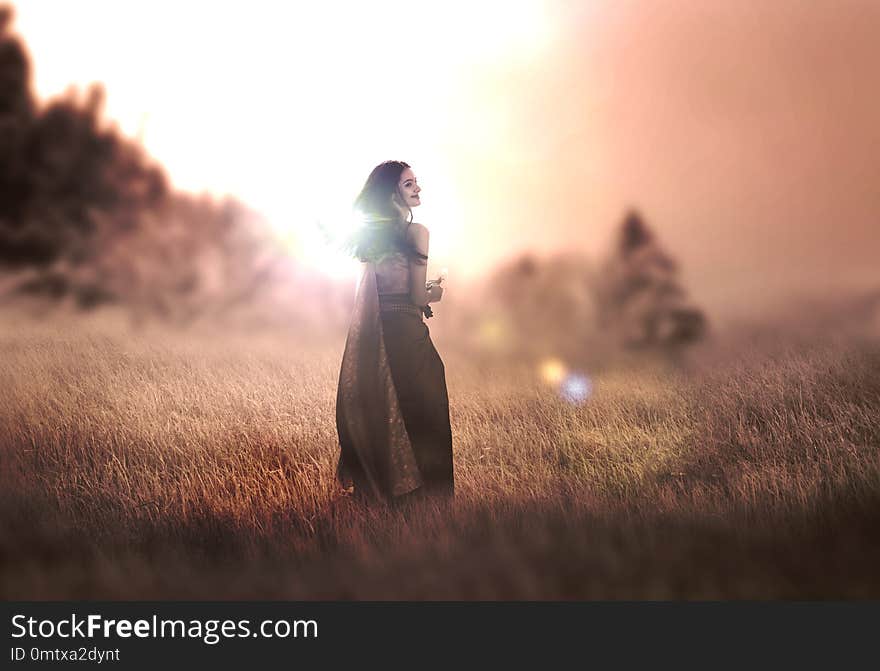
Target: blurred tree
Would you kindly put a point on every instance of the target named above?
(68, 187)
(16, 120)
(540, 307)
(639, 295)
(562, 306)
(211, 257)
(84, 212)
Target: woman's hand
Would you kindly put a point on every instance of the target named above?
(435, 292)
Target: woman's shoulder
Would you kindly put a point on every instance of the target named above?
(416, 231)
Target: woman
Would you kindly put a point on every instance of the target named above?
(392, 409)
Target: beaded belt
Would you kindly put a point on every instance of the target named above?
(398, 303)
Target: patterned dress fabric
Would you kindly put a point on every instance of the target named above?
(392, 407)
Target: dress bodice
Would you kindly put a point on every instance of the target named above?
(392, 275)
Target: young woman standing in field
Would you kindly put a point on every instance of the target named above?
(392, 408)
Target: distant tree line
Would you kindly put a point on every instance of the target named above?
(564, 305)
(87, 216)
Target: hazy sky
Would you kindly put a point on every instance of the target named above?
(747, 132)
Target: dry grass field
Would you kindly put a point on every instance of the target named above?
(150, 465)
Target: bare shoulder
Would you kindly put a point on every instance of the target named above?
(418, 231)
(418, 235)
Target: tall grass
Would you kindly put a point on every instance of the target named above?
(185, 465)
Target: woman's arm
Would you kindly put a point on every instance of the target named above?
(418, 268)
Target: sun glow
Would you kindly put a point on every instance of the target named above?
(553, 371)
(289, 105)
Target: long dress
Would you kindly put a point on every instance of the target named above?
(392, 407)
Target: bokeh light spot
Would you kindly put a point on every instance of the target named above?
(553, 371)
(576, 388)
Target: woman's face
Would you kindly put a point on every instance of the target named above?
(409, 188)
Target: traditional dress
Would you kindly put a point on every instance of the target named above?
(392, 408)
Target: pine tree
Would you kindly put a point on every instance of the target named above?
(640, 296)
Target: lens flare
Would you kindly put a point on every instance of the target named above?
(576, 388)
(318, 246)
(553, 371)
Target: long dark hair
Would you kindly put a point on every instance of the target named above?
(383, 232)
